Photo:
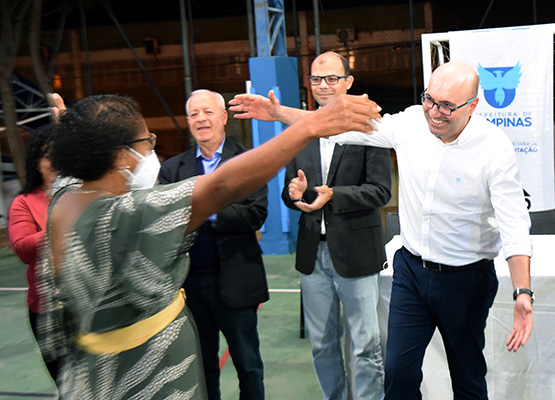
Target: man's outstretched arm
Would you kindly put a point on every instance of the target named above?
(255, 106)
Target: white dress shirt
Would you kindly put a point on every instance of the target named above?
(326, 154)
(459, 201)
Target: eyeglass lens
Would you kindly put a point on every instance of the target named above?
(443, 109)
(330, 79)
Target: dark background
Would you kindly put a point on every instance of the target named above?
(469, 13)
(394, 87)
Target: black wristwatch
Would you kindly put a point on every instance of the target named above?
(529, 292)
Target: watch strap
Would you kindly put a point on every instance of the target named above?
(520, 291)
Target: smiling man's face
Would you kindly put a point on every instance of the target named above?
(324, 65)
(206, 118)
(451, 84)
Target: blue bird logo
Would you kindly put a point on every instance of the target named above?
(499, 84)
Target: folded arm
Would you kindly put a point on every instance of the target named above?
(24, 232)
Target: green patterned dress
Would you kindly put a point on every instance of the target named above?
(124, 261)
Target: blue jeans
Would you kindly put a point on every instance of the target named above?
(324, 291)
(455, 302)
(239, 327)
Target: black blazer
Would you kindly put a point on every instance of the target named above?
(242, 276)
(361, 180)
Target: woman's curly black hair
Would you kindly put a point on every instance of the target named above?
(90, 134)
(37, 147)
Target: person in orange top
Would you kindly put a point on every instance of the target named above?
(27, 217)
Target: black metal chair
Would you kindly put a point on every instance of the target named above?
(543, 222)
(392, 226)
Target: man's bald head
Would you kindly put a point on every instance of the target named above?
(453, 85)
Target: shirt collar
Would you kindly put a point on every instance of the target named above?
(467, 133)
(217, 153)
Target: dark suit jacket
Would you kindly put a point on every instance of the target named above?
(361, 180)
(242, 276)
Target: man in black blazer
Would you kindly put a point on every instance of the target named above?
(227, 280)
(340, 248)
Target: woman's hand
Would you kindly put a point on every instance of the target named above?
(56, 106)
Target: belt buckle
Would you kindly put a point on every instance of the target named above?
(425, 265)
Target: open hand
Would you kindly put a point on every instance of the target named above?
(346, 113)
(522, 326)
(56, 106)
(254, 106)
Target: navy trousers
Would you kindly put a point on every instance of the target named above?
(455, 302)
(239, 327)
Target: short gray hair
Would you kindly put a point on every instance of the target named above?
(221, 100)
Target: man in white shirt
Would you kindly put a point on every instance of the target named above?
(460, 198)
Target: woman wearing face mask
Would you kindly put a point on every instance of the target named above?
(114, 261)
(115, 258)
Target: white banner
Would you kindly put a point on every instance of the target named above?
(515, 66)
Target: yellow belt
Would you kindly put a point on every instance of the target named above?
(118, 340)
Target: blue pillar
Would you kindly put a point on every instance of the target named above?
(272, 69)
(279, 233)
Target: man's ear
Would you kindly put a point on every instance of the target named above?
(350, 79)
(473, 105)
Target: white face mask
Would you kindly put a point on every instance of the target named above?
(146, 171)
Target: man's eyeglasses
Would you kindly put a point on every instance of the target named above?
(330, 79)
(151, 139)
(442, 108)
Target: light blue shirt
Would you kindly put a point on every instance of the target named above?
(210, 164)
